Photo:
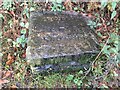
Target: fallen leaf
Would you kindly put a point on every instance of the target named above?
(9, 57)
(13, 86)
(104, 37)
(3, 81)
(9, 62)
(7, 74)
(24, 55)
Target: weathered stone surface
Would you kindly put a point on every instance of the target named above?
(59, 34)
(53, 34)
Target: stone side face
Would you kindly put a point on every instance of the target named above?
(59, 34)
(0, 50)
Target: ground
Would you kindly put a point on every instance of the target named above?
(105, 68)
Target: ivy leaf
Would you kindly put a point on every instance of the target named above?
(10, 23)
(76, 8)
(105, 50)
(99, 34)
(18, 40)
(114, 5)
(104, 86)
(23, 45)
(15, 44)
(57, 1)
(22, 24)
(99, 24)
(118, 56)
(70, 77)
(113, 14)
(23, 31)
(80, 72)
(75, 80)
(103, 4)
(32, 9)
(28, 15)
(0, 34)
(1, 16)
(27, 25)
(114, 50)
(25, 11)
(1, 54)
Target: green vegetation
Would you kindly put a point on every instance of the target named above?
(105, 68)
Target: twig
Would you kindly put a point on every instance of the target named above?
(96, 58)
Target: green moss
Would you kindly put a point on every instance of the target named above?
(82, 59)
(61, 63)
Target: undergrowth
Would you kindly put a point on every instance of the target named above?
(104, 70)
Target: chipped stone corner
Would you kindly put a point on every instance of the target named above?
(28, 54)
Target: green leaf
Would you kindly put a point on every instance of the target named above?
(113, 37)
(75, 8)
(103, 3)
(23, 45)
(22, 4)
(22, 24)
(10, 22)
(105, 50)
(25, 11)
(57, 1)
(70, 77)
(99, 24)
(115, 74)
(28, 15)
(114, 5)
(32, 9)
(108, 23)
(104, 86)
(118, 56)
(15, 44)
(113, 14)
(80, 82)
(18, 40)
(114, 50)
(75, 80)
(1, 54)
(27, 25)
(1, 16)
(80, 72)
(23, 31)
(99, 34)
(0, 34)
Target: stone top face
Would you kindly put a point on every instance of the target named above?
(59, 34)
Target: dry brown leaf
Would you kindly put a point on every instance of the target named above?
(13, 86)
(104, 37)
(3, 81)
(68, 5)
(10, 59)
(7, 74)
(9, 62)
